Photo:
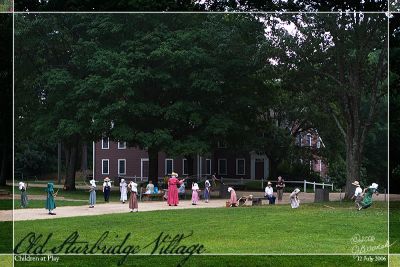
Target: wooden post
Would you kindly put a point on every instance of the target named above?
(314, 186)
(305, 186)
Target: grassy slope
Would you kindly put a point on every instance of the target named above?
(313, 228)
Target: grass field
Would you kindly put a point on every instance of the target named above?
(394, 227)
(311, 229)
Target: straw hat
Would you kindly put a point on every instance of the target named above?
(106, 179)
(269, 183)
(356, 183)
(374, 186)
(174, 174)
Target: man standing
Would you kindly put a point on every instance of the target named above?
(269, 193)
(279, 188)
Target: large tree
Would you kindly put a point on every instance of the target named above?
(339, 61)
(6, 98)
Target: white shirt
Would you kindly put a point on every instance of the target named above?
(107, 184)
(133, 186)
(269, 191)
(358, 191)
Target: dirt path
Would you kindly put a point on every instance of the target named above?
(116, 207)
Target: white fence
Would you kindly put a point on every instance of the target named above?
(232, 181)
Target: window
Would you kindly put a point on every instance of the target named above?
(121, 145)
(208, 167)
(169, 166)
(240, 167)
(222, 167)
(105, 143)
(105, 163)
(318, 144)
(144, 168)
(309, 139)
(184, 167)
(320, 165)
(122, 166)
(221, 144)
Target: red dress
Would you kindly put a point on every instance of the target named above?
(173, 191)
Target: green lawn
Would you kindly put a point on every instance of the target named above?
(6, 204)
(6, 237)
(394, 230)
(209, 261)
(311, 229)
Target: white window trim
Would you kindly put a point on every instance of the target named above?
(320, 165)
(119, 172)
(121, 147)
(183, 166)
(244, 166)
(165, 167)
(226, 167)
(141, 166)
(108, 143)
(102, 166)
(208, 160)
(309, 139)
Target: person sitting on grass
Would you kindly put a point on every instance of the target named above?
(233, 199)
(24, 198)
(150, 188)
(269, 193)
(294, 199)
(357, 194)
(50, 202)
(368, 192)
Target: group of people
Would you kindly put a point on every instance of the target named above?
(363, 198)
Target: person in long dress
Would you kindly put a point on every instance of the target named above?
(24, 198)
(50, 202)
(368, 192)
(133, 203)
(123, 187)
(233, 198)
(107, 189)
(207, 189)
(294, 199)
(92, 193)
(357, 194)
(195, 193)
(173, 182)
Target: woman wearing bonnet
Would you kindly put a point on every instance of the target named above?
(92, 193)
(133, 203)
(294, 199)
(368, 192)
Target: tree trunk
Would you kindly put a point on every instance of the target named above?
(153, 165)
(353, 164)
(3, 172)
(84, 163)
(71, 164)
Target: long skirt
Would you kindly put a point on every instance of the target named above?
(233, 199)
(92, 198)
(24, 199)
(206, 193)
(195, 196)
(107, 191)
(173, 195)
(50, 203)
(133, 203)
(294, 202)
